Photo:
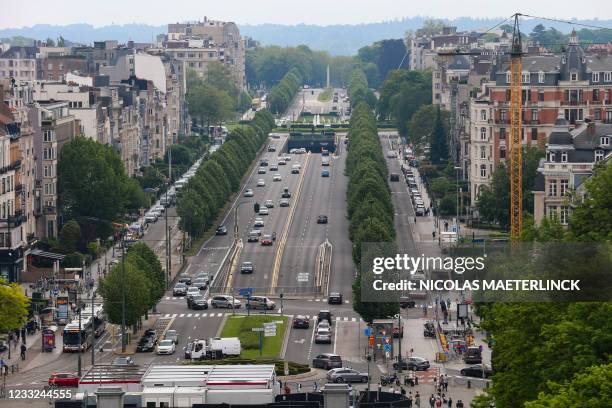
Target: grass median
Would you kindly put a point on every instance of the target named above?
(325, 95)
(241, 326)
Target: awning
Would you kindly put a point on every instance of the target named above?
(50, 255)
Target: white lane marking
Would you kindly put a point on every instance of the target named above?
(220, 315)
(182, 315)
(189, 315)
(204, 314)
(174, 315)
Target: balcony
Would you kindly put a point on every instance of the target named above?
(49, 210)
(572, 103)
(18, 188)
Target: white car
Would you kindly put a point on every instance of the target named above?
(269, 203)
(277, 177)
(249, 192)
(263, 211)
(261, 183)
(259, 223)
(193, 290)
(165, 347)
(282, 162)
(150, 217)
(262, 170)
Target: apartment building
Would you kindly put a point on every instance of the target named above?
(199, 43)
(570, 157)
(56, 67)
(18, 63)
(423, 49)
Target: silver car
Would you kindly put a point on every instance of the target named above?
(346, 375)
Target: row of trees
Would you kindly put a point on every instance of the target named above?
(370, 209)
(142, 278)
(13, 307)
(282, 94)
(358, 90)
(557, 354)
(220, 175)
(378, 59)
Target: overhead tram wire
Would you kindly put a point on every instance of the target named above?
(567, 22)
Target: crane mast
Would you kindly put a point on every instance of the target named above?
(516, 142)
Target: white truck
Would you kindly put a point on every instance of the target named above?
(215, 347)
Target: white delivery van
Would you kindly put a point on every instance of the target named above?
(228, 346)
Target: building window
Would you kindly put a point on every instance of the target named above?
(508, 77)
(605, 140)
(597, 114)
(609, 116)
(595, 95)
(574, 76)
(483, 133)
(599, 155)
(483, 170)
(502, 133)
(503, 115)
(437, 73)
(552, 211)
(607, 76)
(552, 188)
(564, 187)
(483, 115)
(534, 133)
(551, 157)
(48, 136)
(563, 157)
(564, 215)
(525, 77)
(534, 115)
(595, 77)
(502, 152)
(437, 85)
(541, 96)
(483, 152)
(541, 77)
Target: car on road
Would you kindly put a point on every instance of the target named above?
(472, 355)
(327, 361)
(145, 344)
(258, 223)
(266, 240)
(277, 177)
(286, 193)
(274, 167)
(261, 170)
(192, 291)
(334, 298)
(476, 371)
(263, 211)
(221, 230)
(282, 162)
(325, 173)
(413, 363)
(301, 322)
(287, 158)
(246, 267)
(260, 302)
(323, 335)
(394, 177)
(419, 210)
(204, 275)
(263, 162)
(197, 302)
(324, 315)
(249, 192)
(322, 219)
(392, 154)
(271, 148)
(64, 380)
(199, 283)
(346, 375)
(261, 183)
(295, 169)
(185, 278)
(165, 347)
(253, 237)
(225, 301)
(172, 335)
(284, 202)
(269, 204)
(180, 289)
(149, 218)
(325, 162)
(123, 361)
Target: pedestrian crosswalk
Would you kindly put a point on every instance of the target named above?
(310, 300)
(218, 315)
(325, 300)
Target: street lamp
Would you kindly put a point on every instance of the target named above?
(457, 168)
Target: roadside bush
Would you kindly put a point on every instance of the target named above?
(249, 340)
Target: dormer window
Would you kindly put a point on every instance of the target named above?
(595, 77)
(563, 157)
(599, 155)
(541, 77)
(551, 157)
(605, 140)
(574, 76)
(525, 77)
(607, 76)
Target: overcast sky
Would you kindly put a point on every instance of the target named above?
(20, 13)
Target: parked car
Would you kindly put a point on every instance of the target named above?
(165, 347)
(346, 375)
(334, 298)
(248, 192)
(180, 289)
(172, 335)
(64, 380)
(327, 361)
(322, 219)
(149, 218)
(301, 322)
(246, 267)
(476, 371)
(225, 301)
(413, 363)
(221, 230)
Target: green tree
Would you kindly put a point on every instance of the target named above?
(420, 127)
(430, 27)
(151, 178)
(209, 104)
(13, 306)
(439, 140)
(70, 235)
(50, 42)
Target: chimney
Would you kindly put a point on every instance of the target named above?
(590, 128)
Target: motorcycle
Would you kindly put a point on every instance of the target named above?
(389, 379)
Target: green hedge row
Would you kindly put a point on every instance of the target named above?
(282, 94)
(220, 175)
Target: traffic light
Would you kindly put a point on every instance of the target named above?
(256, 207)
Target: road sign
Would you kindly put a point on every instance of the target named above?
(245, 291)
(367, 331)
(55, 292)
(302, 277)
(478, 241)
(257, 329)
(387, 348)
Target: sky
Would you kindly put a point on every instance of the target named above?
(17, 13)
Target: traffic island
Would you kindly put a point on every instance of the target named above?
(261, 336)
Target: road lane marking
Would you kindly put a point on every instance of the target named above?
(182, 315)
(189, 315)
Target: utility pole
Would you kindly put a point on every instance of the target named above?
(123, 343)
(168, 245)
(80, 339)
(400, 335)
(93, 346)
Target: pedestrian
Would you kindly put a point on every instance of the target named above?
(287, 389)
(314, 386)
(459, 404)
(299, 387)
(432, 401)
(450, 402)
(445, 225)
(433, 234)
(438, 402)
(23, 351)
(435, 383)
(446, 383)
(417, 400)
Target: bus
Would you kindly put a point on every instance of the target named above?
(92, 325)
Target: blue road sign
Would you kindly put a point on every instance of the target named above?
(55, 292)
(367, 331)
(387, 348)
(245, 291)
(478, 240)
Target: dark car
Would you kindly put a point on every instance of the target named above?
(221, 230)
(413, 363)
(246, 267)
(472, 355)
(184, 278)
(335, 298)
(322, 219)
(263, 163)
(200, 283)
(180, 289)
(324, 315)
(301, 322)
(346, 375)
(197, 302)
(327, 361)
(394, 177)
(476, 371)
(286, 193)
(145, 344)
